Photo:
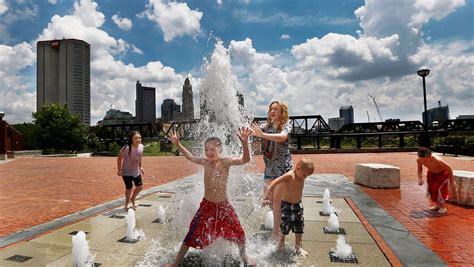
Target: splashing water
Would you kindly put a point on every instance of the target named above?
(333, 223)
(269, 220)
(222, 117)
(161, 214)
(80, 251)
(132, 233)
(327, 195)
(343, 250)
(327, 207)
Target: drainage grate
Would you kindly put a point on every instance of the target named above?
(144, 205)
(97, 264)
(334, 258)
(125, 240)
(164, 196)
(75, 232)
(115, 216)
(341, 231)
(18, 258)
(321, 213)
(320, 201)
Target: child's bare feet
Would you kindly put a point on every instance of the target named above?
(434, 208)
(442, 210)
(301, 252)
(249, 262)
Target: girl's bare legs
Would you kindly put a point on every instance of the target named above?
(276, 204)
(135, 194)
(128, 192)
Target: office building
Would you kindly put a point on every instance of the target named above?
(145, 104)
(63, 76)
(347, 113)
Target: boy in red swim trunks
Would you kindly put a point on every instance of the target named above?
(215, 217)
(438, 176)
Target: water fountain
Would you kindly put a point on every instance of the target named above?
(343, 250)
(161, 214)
(269, 220)
(333, 223)
(132, 233)
(327, 207)
(221, 118)
(80, 251)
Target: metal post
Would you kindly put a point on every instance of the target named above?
(424, 99)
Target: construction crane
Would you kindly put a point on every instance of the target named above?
(377, 107)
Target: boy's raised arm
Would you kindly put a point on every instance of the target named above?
(243, 135)
(187, 154)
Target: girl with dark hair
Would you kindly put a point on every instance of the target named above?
(129, 166)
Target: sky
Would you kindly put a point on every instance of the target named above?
(315, 55)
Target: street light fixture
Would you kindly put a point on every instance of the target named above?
(423, 72)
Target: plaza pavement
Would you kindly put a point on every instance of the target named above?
(34, 191)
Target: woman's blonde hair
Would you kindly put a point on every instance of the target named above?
(283, 116)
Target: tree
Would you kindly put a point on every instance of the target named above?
(59, 129)
(28, 132)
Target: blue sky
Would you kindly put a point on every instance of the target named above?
(326, 31)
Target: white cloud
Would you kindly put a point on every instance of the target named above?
(12, 14)
(3, 7)
(243, 53)
(173, 18)
(16, 100)
(123, 23)
(219, 2)
(320, 90)
(112, 80)
(53, 2)
(285, 37)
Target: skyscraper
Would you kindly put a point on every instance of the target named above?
(170, 110)
(188, 105)
(439, 114)
(347, 113)
(145, 104)
(63, 76)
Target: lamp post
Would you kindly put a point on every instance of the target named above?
(423, 72)
(425, 139)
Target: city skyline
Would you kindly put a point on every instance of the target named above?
(317, 55)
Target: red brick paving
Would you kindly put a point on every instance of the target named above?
(37, 190)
